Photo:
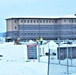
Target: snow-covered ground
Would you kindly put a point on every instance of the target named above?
(14, 61)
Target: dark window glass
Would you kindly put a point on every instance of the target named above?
(40, 21)
(25, 21)
(15, 33)
(55, 21)
(31, 21)
(46, 21)
(34, 21)
(15, 21)
(64, 20)
(43, 21)
(52, 21)
(21, 21)
(15, 27)
(49, 21)
(37, 21)
(75, 20)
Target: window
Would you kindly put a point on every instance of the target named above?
(15, 33)
(28, 33)
(55, 21)
(21, 33)
(69, 20)
(43, 21)
(64, 20)
(21, 27)
(75, 21)
(31, 33)
(34, 33)
(49, 21)
(21, 21)
(25, 21)
(37, 33)
(15, 21)
(31, 21)
(46, 21)
(15, 27)
(72, 21)
(34, 21)
(40, 21)
(52, 21)
(37, 21)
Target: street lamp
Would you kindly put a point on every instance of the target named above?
(67, 61)
(59, 49)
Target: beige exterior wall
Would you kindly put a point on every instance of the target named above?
(36, 23)
(15, 24)
(12, 24)
(68, 21)
(9, 25)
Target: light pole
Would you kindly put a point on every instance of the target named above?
(39, 28)
(48, 62)
(59, 49)
(39, 42)
(71, 54)
(67, 61)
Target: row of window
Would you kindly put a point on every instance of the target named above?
(68, 33)
(43, 34)
(36, 27)
(36, 21)
(33, 27)
(44, 21)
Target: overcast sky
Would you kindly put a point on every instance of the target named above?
(10, 8)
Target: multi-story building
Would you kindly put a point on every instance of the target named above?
(27, 28)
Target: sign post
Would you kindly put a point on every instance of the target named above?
(38, 52)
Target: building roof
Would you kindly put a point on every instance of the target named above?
(31, 17)
(43, 17)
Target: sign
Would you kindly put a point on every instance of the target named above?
(32, 51)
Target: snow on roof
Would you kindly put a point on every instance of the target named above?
(69, 45)
(18, 17)
(68, 16)
(31, 41)
(54, 17)
(51, 45)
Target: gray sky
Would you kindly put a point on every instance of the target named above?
(10, 8)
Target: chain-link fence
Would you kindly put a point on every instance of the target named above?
(64, 61)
